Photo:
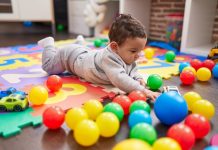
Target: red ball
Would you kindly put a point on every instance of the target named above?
(209, 64)
(187, 77)
(196, 63)
(124, 102)
(199, 125)
(53, 117)
(54, 83)
(183, 134)
(137, 95)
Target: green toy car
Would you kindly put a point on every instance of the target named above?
(13, 102)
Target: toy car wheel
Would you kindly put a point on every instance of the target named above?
(2, 108)
(17, 108)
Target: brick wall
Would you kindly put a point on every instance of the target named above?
(215, 26)
(159, 10)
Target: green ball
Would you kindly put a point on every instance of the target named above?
(154, 82)
(98, 42)
(115, 109)
(144, 132)
(140, 105)
(170, 56)
(60, 27)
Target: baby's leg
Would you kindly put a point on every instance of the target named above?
(51, 57)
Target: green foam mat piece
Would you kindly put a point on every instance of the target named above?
(11, 123)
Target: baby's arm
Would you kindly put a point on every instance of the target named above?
(118, 77)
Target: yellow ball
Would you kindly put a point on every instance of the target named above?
(86, 133)
(108, 124)
(38, 95)
(203, 74)
(191, 69)
(74, 116)
(190, 98)
(166, 143)
(149, 53)
(132, 144)
(93, 108)
(204, 108)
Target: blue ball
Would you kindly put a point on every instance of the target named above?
(170, 108)
(211, 148)
(183, 65)
(139, 116)
(215, 71)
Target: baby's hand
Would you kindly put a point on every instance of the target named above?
(141, 81)
(152, 95)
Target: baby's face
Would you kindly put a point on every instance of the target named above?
(130, 50)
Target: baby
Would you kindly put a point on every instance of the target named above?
(114, 64)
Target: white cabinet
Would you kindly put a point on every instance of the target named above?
(198, 26)
(14, 15)
(30, 10)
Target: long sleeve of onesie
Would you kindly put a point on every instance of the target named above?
(118, 76)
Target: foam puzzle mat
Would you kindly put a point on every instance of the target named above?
(20, 67)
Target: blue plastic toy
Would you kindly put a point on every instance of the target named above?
(139, 116)
(211, 148)
(170, 108)
(183, 65)
(215, 71)
(11, 90)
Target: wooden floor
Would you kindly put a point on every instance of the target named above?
(42, 139)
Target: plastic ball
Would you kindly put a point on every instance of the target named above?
(170, 56)
(199, 125)
(124, 102)
(196, 64)
(149, 53)
(38, 95)
(137, 95)
(53, 117)
(74, 116)
(154, 82)
(60, 27)
(187, 77)
(191, 69)
(209, 64)
(139, 116)
(191, 98)
(170, 108)
(86, 133)
(54, 83)
(116, 109)
(97, 43)
(166, 143)
(183, 65)
(214, 140)
(203, 74)
(204, 108)
(183, 134)
(140, 105)
(144, 132)
(132, 144)
(215, 71)
(108, 124)
(93, 108)
(211, 148)
(27, 23)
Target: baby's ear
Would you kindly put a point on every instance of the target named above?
(114, 46)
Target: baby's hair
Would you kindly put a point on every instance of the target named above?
(125, 26)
